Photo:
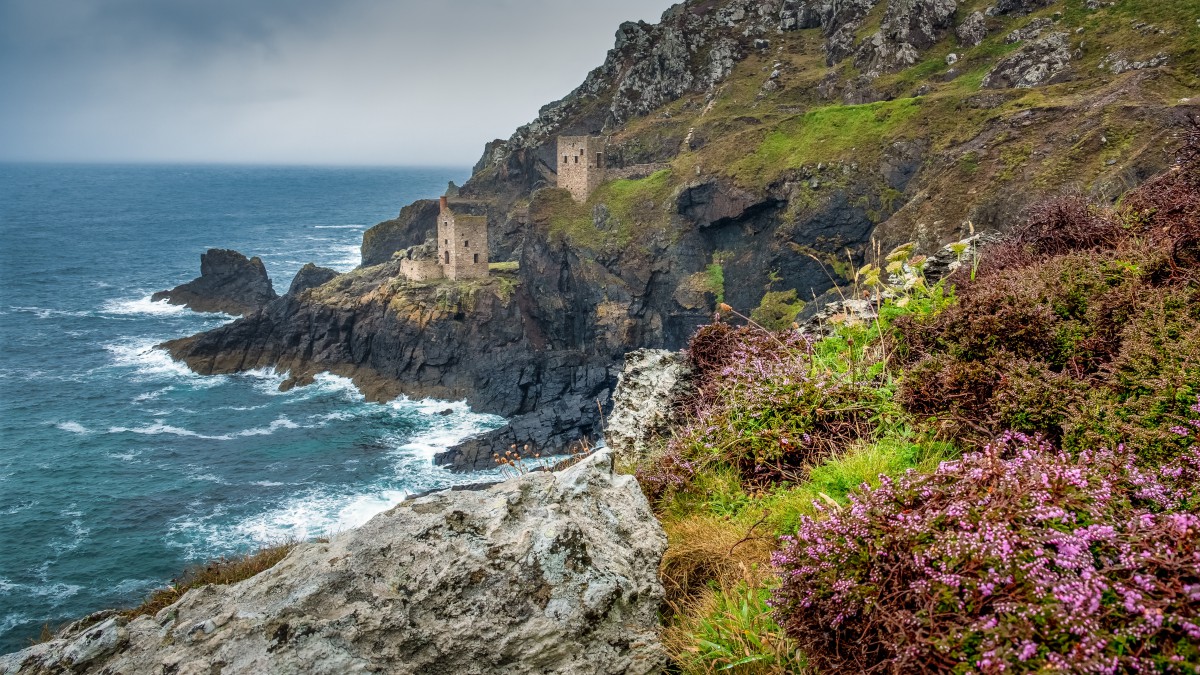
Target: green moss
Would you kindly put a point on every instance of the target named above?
(777, 310)
(715, 280)
(509, 266)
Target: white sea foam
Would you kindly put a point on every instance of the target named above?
(74, 427)
(324, 511)
(280, 423)
(48, 312)
(151, 395)
(153, 363)
(339, 227)
(348, 257)
(123, 456)
(159, 428)
(142, 306)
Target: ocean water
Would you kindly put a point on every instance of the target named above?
(119, 467)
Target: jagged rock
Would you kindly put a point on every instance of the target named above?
(1030, 32)
(1018, 6)
(228, 282)
(642, 402)
(310, 276)
(545, 573)
(908, 27)
(1040, 62)
(408, 229)
(973, 31)
(1117, 64)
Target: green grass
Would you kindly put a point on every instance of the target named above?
(509, 266)
(825, 135)
(637, 210)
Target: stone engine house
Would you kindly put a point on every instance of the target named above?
(462, 249)
(581, 164)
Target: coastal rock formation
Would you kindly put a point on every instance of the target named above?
(310, 276)
(545, 573)
(642, 402)
(229, 282)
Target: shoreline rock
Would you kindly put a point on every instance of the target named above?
(229, 282)
(545, 573)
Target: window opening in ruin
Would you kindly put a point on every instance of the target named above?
(466, 243)
(447, 257)
(476, 258)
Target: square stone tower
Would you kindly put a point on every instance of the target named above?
(581, 164)
(462, 244)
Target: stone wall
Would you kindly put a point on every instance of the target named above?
(421, 270)
(468, 248)
(580, 164)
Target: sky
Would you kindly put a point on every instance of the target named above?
(357, 82)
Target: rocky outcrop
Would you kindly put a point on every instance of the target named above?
(310, 276)
(647, 388)
(1018, 6)
(407, 229)
(972, 31)
(909, 26)
(1043, 61)
(546, 573)
(228, 282)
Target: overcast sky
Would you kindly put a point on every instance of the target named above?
(289, 81)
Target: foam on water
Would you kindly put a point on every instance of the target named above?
(322, 511)
(143, 306)
(339, 227)
(151, 363)
(74, 428)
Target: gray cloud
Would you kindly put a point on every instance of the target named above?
(288, 81)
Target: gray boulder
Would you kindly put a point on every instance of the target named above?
(545, 573)
(1043, 61)
(229, 282)
(973, 31)
(642, 404)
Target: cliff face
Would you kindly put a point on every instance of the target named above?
(793, 137)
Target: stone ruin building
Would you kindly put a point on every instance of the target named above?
(461, 250)
(581, 164)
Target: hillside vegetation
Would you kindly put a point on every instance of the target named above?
(999, 474)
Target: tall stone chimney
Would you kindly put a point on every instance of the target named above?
(445, 202)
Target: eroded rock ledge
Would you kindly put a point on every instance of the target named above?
(545, 573)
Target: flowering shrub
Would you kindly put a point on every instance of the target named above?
(767, 405)
(1017, 558)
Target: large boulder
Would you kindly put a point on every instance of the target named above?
(647, 388)
(545, 573)
(229, 282)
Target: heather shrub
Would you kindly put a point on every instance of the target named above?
(1017, 558)
(771, 408)
(1042, 348)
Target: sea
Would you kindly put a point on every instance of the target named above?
(119, 467)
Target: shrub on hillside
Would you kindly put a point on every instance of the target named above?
(1080, 326)
(765, 404)
(1018, 558)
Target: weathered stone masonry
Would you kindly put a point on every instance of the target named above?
(462, 244)
(580, 164)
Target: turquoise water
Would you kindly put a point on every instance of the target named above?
(119, 467)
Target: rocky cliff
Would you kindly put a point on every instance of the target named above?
(794, 139)
(547, 573)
